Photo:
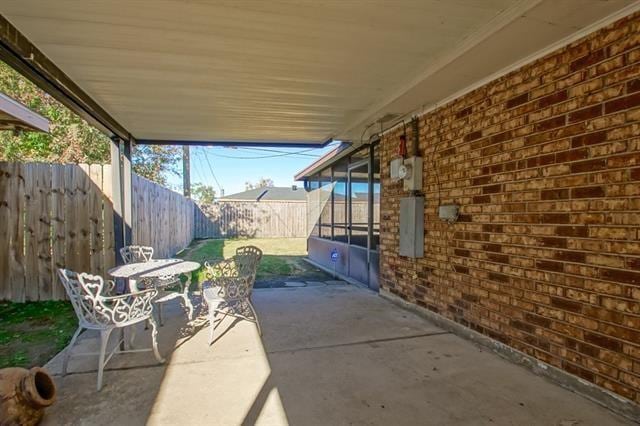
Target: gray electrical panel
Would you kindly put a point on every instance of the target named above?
(412, 226)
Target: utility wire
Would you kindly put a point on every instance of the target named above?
(301, 153)
(257, 157)
(200, 175)
(196, 159)
(206, 157)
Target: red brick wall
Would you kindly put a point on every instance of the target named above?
(545, 164)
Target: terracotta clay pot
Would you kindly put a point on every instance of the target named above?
(24, 394)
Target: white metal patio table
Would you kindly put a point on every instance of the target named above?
(160, 268)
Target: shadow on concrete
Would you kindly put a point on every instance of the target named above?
(329, 355)
(131, 381)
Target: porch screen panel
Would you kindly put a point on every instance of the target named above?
(326, 188)
(340, 201)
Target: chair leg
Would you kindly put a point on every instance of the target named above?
(186, 298)
(67, 353)
(255, 315)
(159, 305)
(154, 339)
(123, 346)
(132, 335)
(212, 318)
(104, 340)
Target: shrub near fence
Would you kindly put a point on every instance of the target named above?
(61, 215)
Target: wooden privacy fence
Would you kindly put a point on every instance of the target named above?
(52, 216)
(61, 215)
(263, 219)
(163, 219)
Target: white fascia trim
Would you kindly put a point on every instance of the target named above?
(625, 11)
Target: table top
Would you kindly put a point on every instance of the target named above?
(154, 268)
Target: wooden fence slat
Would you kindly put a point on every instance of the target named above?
(96, 219)
(37, 231)
(83, 218)
(31, 224)
(69, 218)
(58, 228)
(44, 234)
(16, 233)
(108, 247)
(5, 211)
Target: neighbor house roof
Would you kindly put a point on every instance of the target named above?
(272, 193)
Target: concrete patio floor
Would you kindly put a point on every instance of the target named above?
(330, 355)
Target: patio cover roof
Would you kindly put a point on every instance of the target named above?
(15, 116)
(278, 72)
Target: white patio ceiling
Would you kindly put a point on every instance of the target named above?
(298, 71)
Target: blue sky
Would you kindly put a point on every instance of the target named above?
(234, 166)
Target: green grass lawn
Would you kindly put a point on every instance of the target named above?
(32, 333)
(282, 256)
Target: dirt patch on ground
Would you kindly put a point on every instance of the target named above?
(300, 271)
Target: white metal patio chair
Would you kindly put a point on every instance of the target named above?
(248, 258)
(141, 254)
(98, 310)
(134, 254)
(230, 283)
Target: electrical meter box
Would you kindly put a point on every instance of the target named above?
(411, 173)
(412, 227)
(394, 168)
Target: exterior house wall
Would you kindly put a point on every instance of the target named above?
(545, 165)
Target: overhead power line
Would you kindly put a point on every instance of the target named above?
(206, 157)
(301, 153)
(260, 157)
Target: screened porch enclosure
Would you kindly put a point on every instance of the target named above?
(344, 214)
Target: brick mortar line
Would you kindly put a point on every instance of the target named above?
(531, 67)
(524, 268)
(476, 117)
(569, 199)
(450, 110)
(554, 249)
(563, 286)
(529, 146)
(553, 319)
(431, 128)
(536, 303)
(610, 240)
